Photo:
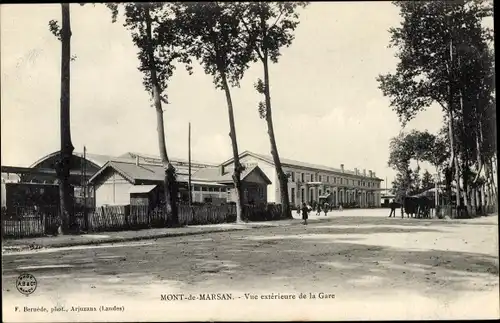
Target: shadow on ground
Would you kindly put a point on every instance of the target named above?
(281, 258)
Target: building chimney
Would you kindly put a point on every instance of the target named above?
(137, 160)
(342, 167)
(371, 173)
(364, 172)
(374, 174)
(221, 170)
(356, 171)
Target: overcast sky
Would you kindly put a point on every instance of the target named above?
(326, 102)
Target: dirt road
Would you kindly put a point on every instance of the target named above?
(365, 265)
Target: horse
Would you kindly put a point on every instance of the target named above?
(417, 207)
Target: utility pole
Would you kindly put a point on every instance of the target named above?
(85, 213)
(189, 166)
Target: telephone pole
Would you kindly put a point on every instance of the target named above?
(85, 213)
(189, 166)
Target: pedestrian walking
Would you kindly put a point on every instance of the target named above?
(305, 212)
(318, 209)
(326, 206)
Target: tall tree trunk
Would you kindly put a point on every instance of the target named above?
(454, 154)
(489, 189)
(465, 184)
(479, 141)
(238, 168)
(283, 179)
(169, 183)
(479, 205)
(484, 202)
(453, 158)
(66, 150)
(493, 182)
(437, 186)
(457, 180)
(472, 194)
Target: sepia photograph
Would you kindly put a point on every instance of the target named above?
(249, 161)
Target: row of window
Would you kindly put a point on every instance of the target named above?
(210, 189)
(260, 190)
(308, 177)
(350, 196)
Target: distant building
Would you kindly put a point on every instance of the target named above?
(309, 181)
(386, 198)
(137, 176)
(125, 181)
(43, 171)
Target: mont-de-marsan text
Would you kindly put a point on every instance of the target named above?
(199, 297)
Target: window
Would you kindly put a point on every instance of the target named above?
(204, 189)
(293, 176)
(260, 192)
(358, 183)
(293, 195)
(335, 180)
(319, 178)
(328, 179)
(302, 177)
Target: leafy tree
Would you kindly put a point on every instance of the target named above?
(154, 32)
(419, 146)
(427, 180)
(402, 185)
(63, 165)
(268, 27)
(442, 51)
(212, 34)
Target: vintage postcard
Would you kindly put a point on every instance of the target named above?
(248, 161)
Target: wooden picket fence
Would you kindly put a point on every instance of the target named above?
(262, 212)
(108, 218)
(206, 214)
(27, 221)
(135, 217)
(45, 221)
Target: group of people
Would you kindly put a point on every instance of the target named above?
(305, 208)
